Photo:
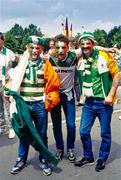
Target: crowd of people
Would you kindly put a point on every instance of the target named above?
(48, 82)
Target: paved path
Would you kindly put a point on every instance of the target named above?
(66, 170)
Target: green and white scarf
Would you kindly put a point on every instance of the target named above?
(3, 63)
(86, 76)
(33, 67)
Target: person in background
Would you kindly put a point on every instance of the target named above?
(96, 69)
(7, 58)
(51, 46)
(38, 84)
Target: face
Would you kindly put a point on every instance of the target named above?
(52, 44)
(61, 49)
(86, 46)
(35, 51)
(1, 43)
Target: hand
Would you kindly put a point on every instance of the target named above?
(7, 98)
(108, 100)
(48, 98)
(112, 50)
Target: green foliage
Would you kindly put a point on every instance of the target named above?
(100, 36)
(16, 37)
(114, 37)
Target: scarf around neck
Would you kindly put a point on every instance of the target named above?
(86, 73)
(32, 70)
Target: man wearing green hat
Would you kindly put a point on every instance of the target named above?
(97, 70)
(38, 84)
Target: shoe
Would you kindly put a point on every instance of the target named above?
(70, 155)
(11, 134)
(100, 165)
(59, 154)
(20, 164)
(45, 168)
(83, 162)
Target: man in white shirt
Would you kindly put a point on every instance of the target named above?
(6, 59)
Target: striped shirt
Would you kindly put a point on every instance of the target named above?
(32, 90)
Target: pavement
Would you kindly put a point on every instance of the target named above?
(65, 169)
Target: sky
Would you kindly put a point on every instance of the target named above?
(48, 15)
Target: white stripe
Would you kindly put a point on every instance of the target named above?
(88, 92)
(87, 65)
(33, 98)
(87, 72)
(25, 80)
(29, 89)
(87, 84)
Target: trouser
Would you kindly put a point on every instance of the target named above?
(77, 88)
(95, 107)
(4, 111)
(69, 111)
(40, 119)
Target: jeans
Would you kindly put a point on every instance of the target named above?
(39, 116)
(95, 107)
(69, 111)
(4, 110)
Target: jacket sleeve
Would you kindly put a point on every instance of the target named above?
(52, 85)
(112, 64)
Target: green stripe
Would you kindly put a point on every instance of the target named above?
(31, 94)
(3, 70)
(39, 85)
(87, 87)
(4, 51)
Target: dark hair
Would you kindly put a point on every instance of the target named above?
(52, 40)
(61, 38)
(2, 36)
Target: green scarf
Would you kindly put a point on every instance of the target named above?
(86, 73)
(33, 67)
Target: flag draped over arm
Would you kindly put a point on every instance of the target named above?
(24, 128)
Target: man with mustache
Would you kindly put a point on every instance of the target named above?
(97, 70)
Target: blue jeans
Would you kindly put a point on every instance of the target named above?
(69, 111)
(95, 107)
(40, 118)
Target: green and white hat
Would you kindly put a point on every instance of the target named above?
(36, 40)
(87, 35)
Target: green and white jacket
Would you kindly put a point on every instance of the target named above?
(106, 67)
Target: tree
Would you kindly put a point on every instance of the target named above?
(100, 36)
(114, 37)
(16, 37)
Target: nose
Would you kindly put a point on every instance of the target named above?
(34, 49)
(60, 49)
